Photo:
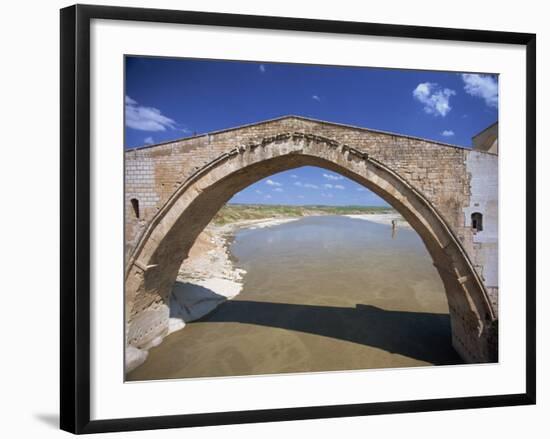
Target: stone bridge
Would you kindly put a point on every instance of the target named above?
(448, 194)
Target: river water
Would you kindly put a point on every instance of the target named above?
(320, 294)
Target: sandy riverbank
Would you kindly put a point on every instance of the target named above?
(383, 218)
(382, 285)
(208, 276)
(206, 279)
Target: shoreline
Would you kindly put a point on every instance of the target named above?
(382, 218)
(209, 276)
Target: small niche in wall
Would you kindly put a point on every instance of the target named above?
(477, 221)
(135, 206)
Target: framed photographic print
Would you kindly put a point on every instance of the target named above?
(285, 218)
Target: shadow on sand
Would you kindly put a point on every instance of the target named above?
(419, 335)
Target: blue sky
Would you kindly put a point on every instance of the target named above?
(168, 99)
(308, 185)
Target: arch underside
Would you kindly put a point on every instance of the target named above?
(152, 268)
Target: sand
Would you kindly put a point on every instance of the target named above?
(383, 218)
(208, 277)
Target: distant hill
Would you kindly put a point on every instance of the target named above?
(238, 212)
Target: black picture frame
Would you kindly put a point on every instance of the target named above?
(75, 217)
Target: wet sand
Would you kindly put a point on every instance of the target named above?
(319, 294)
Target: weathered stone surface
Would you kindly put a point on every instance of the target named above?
(134, 357)
(180, 185)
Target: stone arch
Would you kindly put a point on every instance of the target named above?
(153, 265)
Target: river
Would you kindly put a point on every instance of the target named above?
(321, 293)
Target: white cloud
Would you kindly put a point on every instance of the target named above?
(316, 98)
(277, 189)
(143, 118)
(482, 86)
(308, 185)
(258, 191)
(333, 177)
(448, 133)
(333, 186)
(267, 197)
(272, 183)
(361, 189)
(148, 140)
(435, 98)
(262, 68)
(293, 176)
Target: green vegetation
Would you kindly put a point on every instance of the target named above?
(238, 212)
